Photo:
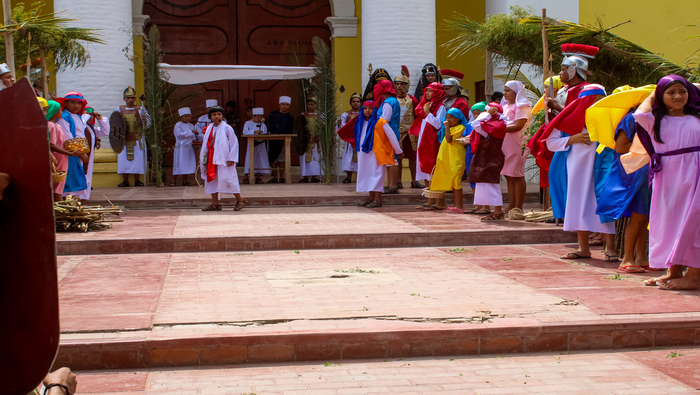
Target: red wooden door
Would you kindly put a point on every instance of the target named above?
(242, 32)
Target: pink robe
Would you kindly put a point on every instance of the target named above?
(58, 137)
(674, 220)
(514, 165)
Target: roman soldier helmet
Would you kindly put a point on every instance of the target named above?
(130, 92)
(404, 77)
(575, 56)
(453, 79)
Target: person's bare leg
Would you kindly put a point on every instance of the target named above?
(431, 202)
(215, 199)
(126, 178)
(675, 271)
(642, 241)
(394, 175)
(691, 280)
(520, 187)
(631, 238)
(136, 178)
(610, 250)
(457, 194)
(378, 197)
(412, 169)
(583, 248)
(511, 193)
(440, 203)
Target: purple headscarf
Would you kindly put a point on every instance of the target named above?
(664, 82)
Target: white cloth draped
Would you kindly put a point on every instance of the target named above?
(225, 150)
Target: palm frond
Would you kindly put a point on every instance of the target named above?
(325, 88)
(155, 102)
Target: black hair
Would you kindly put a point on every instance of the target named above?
(496, 97)
(216, 109)
(249, 108)
(661, 111)
(231, 103)
(355, 97)
(310, 100)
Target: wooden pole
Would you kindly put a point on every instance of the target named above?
(546, 72)
(9, 44)
(488, 79)
(44, 82)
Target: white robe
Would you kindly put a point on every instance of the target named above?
(436, 122)
(79, 132)
(581, 202)
(348, 150)
(101, 130)
(313, 168)
(261, 159)
(138, 165)
(225, 150)
(370, 174)
(184, 160)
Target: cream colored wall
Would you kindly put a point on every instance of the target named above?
(658, 27)
(471, 64)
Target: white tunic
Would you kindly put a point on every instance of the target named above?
(436, 122)
(79, 132)
(370, 174)
(313, 168)
(184, 160)
(138, 165)
(348, 150)
(225, 150)
(261, 159)
(581, 202)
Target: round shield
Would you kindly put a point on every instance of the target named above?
(117, 132)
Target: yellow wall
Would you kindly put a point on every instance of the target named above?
(473, 63)
(658, 27)
(347, 58)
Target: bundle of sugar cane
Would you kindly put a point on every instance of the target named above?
(70, 214)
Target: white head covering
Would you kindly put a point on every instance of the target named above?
(184, 111)
(285, 99)
(212, 103)
(258, 111)
(521, 98)
(4, 68)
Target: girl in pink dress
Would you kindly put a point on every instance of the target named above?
(57, 137)
(669, 133)
(518, 109)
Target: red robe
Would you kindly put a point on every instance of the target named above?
(429, 146)
(462, 105)
(543, 156)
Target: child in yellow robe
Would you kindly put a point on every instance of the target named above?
(450, 166)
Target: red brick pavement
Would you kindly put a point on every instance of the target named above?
(576, 373)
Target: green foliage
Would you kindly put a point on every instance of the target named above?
(156, 93)
(65, 45)
(324, 87)
(516, 39)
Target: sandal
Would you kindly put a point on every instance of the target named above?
(390, 191)
(282, 180)
(314, 180)
(417, 185)
(482, 212)
(212, 207)
(494, 217)
(374, 204)
(304, 180)
(453, 210)
(575, 255)
(651, 269)
(399, 185)
(630, 269)
(365, 203)
(138, 183)
(245, 180)
(595, 242)
(469, 211)
(347, 181)
(429, 208)
(240, 204)
(611, 258)
(124, 184)
(186, 184)
(422, 206)
(172, 184)
(258, 181)
(273, 181)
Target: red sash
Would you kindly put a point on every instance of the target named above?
(211, 168)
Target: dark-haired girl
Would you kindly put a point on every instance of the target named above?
(670, 135)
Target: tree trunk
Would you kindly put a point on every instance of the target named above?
(488, 83)
(9, 44)
(44, 80)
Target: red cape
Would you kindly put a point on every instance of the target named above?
(347, 132)
(494, 127)
(462, 105)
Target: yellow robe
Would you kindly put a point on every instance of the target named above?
(449, 166)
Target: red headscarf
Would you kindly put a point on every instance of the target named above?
(436, 100)
(370, 103)
(73, 96)
(382, 87)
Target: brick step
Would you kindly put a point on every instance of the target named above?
(377, 339)
(179, 244)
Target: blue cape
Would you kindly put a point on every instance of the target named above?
(368, 143)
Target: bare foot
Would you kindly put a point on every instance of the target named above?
(678, 284)
(675, 271)
(577, 255)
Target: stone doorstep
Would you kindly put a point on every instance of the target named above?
(300, 242)
(428, 340)
(344, 200)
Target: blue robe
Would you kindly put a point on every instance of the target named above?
(395, 120)
(468, 158)
(625, 193)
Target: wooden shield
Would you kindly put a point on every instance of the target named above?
(29, 332)
(117, 132)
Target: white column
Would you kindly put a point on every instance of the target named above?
(395, 33)
(103, 80)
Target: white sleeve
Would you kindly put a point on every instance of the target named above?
(476, 124)
(248, 128)
(343, 119)
(555, 142)
(233, 145)
(389, 132)
(387, 112)
(263, 127)
(182, 131)
(103, 128)
(436, 121)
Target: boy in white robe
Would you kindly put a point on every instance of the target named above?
(184, 160)
(261, 160)
(349, 154)
(218, 161)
